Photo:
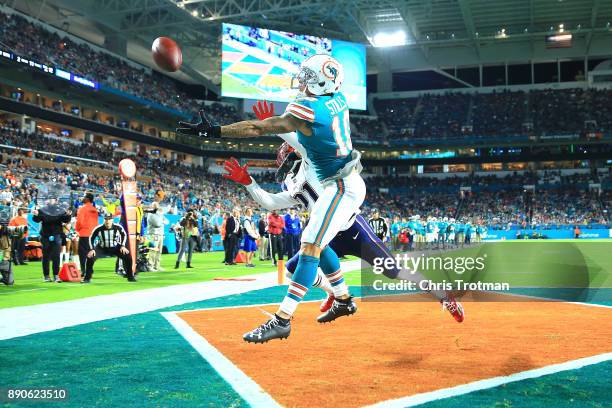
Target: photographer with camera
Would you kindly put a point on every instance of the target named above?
(19, 242)
(191, 233)
(51, 218)
(10, 235)
(108, 238)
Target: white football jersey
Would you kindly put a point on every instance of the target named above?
(302, 189)
(303, 186)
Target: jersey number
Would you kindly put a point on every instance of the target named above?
(306, 190)
(342, 133)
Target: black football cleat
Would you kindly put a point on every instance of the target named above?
(275, 328)
(340, 307)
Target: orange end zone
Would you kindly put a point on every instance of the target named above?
(396, 349)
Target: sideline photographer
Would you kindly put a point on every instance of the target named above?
(9, 235)
(191, 233)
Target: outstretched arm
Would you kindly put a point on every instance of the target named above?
(248, 128)
(254, 128)
(269, 201)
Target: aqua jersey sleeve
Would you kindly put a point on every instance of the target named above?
(329, 144)
(302, 108)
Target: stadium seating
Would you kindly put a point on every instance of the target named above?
(505, 113)
(34, 41)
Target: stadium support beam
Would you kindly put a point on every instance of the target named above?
(468, 20)
(454, 78)
(212, 10)
(594, 11)
(355, 15)
(410, 23)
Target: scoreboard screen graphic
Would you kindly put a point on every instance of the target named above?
(258, 63)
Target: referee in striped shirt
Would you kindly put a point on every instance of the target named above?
(109, 239)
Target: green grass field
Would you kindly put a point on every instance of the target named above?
(29, 288)
(522, 263)
(543, 263)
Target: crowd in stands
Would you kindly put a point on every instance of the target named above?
(449, 115)
(34, 41)
(182, 186)
(538, 112)
(498, 201)
(366, 128)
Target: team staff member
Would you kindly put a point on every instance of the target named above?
(155, 226)
(379, 225)
(19, 243)
(51, 239)
(86, 221)
(108, 238)
(262, 228)
(232, 235)
(276, 225)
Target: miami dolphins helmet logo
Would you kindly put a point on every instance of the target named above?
(330, 70)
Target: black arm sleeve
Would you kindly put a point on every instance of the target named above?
(122, 234)
(94, 234)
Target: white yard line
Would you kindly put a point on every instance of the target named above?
(248, 389)
(22, 290)
(25, 320)
(419, 399)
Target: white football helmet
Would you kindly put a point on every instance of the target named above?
(320, 74)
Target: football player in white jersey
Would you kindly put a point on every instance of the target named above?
(302, 188)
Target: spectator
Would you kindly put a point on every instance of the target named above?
(276, 225)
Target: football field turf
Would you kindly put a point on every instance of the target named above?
(506, 353)
(29, 288)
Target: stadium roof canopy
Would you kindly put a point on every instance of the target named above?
(438, 33)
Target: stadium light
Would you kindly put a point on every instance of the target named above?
(389, 39)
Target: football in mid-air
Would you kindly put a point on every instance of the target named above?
(167, 54)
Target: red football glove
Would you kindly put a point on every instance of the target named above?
(263, 111)
(236, 172)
